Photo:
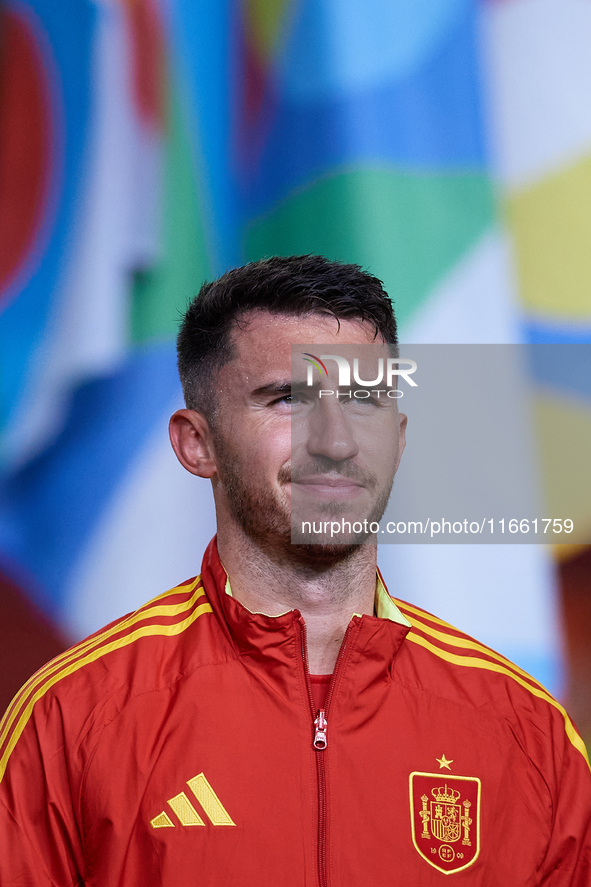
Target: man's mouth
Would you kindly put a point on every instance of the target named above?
(326, 486)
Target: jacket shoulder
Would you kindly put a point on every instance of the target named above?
(450, 663)
(142, 651)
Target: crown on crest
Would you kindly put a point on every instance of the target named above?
(445, 795)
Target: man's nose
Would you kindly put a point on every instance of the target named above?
(331, 433)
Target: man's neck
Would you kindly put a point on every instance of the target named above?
(326, 597)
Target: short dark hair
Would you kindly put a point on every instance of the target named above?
(289, 285)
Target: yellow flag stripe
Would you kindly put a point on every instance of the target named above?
(145, 612)
(472, 662)
(92, 656)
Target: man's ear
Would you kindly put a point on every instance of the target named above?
(191, 440)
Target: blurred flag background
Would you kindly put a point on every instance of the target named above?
(148, 145)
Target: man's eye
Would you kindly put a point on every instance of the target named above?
(289, 399)
(361, 401)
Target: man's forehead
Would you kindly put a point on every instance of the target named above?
(272, 335)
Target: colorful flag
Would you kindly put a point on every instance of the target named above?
(442, 144)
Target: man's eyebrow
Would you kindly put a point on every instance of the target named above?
(281, 388)
(271, 388)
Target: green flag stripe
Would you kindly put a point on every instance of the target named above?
(408, 228)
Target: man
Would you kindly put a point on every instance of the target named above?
(281, 719)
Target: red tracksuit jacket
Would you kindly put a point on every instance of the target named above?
(176, 747)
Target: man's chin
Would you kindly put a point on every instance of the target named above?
(328, 540)
(335, 527)
(321, 555)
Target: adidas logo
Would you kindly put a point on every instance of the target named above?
(186, 812)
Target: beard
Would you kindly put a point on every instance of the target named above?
(266, 518)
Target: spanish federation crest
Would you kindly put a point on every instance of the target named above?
(445, 819)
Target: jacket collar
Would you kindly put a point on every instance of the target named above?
(274, 643)
(384, 606)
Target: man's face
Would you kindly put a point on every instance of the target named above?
(278, 446)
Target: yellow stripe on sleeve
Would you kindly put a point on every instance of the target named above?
(473, 662)
(55, 665)
(470, 644)
(92, 656)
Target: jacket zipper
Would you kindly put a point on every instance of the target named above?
(320, 742)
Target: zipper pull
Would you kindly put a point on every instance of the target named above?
(320, 729)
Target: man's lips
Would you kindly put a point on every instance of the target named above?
(329, 486)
